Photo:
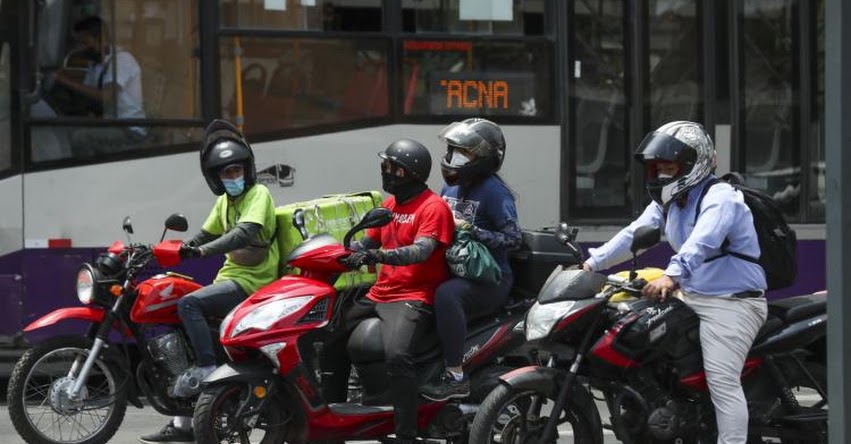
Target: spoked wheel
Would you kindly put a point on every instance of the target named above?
(508, 416)
(41, 406)
(216, 421)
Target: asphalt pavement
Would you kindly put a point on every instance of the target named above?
(146, 420)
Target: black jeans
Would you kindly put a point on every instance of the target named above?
(214, 300)
(458, 301)
(403, 324)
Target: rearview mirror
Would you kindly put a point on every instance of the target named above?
(376, 217)
(127, 225)
(644, 237)
(176, 222)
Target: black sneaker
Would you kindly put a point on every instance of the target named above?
(169, 435)
(445, 388)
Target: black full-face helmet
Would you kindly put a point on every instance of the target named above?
(475, 148)
(410, 155)
(224, 145)
(681, 143)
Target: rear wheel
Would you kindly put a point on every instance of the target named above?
(809, 399)
(510, 416)
(215, 420)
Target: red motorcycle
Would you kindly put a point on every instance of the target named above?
(273, 340)
(644, 359)
(75, 389)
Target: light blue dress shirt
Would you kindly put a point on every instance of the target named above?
(723, 215)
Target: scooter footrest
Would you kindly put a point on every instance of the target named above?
(358, 409)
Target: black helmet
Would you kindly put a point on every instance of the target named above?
(683, 143)
(410, 155)
(225, 145)
(481, 144)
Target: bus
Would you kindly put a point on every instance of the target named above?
(321, 86)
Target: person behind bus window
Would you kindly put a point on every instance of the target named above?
(411, 249)
(726, 291)
(483, 204)
(113, 83)
(241, 226)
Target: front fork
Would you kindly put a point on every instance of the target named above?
(100, 343)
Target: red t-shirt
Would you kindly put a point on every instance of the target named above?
(427, 215)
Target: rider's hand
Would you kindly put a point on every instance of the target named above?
(586, 266)
(659, 289)
(188, 252)
(358, 258)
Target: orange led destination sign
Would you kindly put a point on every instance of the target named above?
(475, 94)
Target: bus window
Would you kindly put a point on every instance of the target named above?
(294, 83)
(316, 15)
(476, 78)
(456, 17)
(118, 60)
(674, 61)
(133, 44)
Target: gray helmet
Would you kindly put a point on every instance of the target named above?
(476, 138)
(684, 143)
(225, 145)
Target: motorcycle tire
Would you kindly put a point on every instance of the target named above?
(497, 408)
(21, 397)
(797, 381)
(221, 400)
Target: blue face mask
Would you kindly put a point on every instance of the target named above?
(234, 187)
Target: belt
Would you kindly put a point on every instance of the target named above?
(748, 294)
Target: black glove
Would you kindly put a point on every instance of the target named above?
(189, 252)
(358, 258)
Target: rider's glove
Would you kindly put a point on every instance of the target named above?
(188, 251)
(359, 258)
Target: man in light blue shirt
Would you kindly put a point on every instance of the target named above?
(725, 291)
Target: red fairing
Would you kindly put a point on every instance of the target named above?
(697, 381)
(603, 349)
(79, 313)
(116, 248)
(157, 299)
(323, 259)
(286, 287)
(167, 253)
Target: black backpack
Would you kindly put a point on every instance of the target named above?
(777, 242)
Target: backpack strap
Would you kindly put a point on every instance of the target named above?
(705, 190)
(726, 243)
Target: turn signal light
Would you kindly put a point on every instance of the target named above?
(115, 290)
(260, 392)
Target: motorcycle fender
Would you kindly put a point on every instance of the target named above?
(239, 372)
(549, 380)
(545, 379)
(90, 314)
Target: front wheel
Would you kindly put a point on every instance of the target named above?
(514, 416)
(41, 408)
(215, 420)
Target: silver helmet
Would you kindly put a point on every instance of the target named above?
(683, 143)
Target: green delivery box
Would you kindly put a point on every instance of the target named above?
(334, 214)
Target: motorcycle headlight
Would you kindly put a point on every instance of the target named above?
(86, 284)
(541, 318)
(266, 315)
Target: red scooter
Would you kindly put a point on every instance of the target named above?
(75, 389)
(272, 338)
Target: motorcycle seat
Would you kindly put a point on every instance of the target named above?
(798, 307)
(772, 324)
(366, 345)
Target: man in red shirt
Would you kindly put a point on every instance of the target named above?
(412, 248)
